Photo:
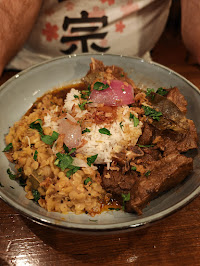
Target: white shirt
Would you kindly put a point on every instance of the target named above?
(127, 27)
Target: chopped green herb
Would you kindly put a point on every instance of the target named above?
(121, 126)
(36, 195)
(66, 148)
(114, 209)
(145, 146)
(72, 151)
(161, 91)
(8, 147)
(11, 175)
(63, 161)
(76, 96)
(105, 131)
(87, 180)
(123, 89)
(149, 91)
(152, 113)
(73, 170)
(125, 197)
(35, 155)
(91, 159)
(135, 120)
(133, 168)
(122, 75)
(37, 124)
(82, 105)
(85, 130)
(1, 185)
(20, 170)
(85, 93)
(50, 139)
(99, 86)
(22, 181)
(147, 173)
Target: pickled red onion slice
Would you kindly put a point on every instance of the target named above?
(119, 93)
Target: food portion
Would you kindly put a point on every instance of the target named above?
(102, 145)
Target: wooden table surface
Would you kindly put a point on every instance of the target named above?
(174, 240)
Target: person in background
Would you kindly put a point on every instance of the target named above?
(190, 28)
(37, 30)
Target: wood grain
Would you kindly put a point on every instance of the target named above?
(174, 240)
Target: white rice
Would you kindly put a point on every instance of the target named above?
(103, 145)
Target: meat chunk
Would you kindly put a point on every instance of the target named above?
(171, 142)
(117, 183)
(178, 99)
(166, 173)
(147, 135)
(99, 72)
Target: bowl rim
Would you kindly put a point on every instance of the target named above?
(66, 225)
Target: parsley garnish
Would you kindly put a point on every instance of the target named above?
(147, 173)
(85, 93)
(73, 170)
(72, 151)
(121, 126)
(50, 139)
(99, 86)
(105, 131)
(22, 181)
(114, 209)
(82, 105)
(66, 148)
(133, 168)
(122, 75)
(11, 176)
(135, 120)
(152, 113)
(149, 91)
(145, 146)
(35, 155)
(87, 180)
(37, 124)
(20, 170)
(63, 161)
(91, 159)
(36, 194)
(85, 130)
(8, 147)
(125, 197)
(161, 91)
(76, 96)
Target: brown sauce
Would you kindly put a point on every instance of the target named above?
(59, 93)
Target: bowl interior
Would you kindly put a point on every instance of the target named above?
(18, 94)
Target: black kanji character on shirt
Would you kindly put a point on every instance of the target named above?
(84, 38)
